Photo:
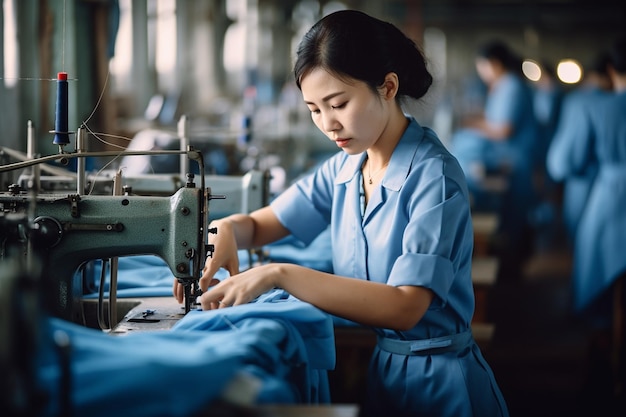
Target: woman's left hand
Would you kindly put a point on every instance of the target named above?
(241, 288)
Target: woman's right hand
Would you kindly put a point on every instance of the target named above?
(225, 256)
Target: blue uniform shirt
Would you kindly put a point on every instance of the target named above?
(508, 102)
(416, 230)
(600, 239)
(571, 160)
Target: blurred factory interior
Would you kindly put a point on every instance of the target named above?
(144, 63)
(137, 66)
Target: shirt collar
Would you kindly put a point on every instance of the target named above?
(399, 165)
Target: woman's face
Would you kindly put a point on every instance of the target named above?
(489, 70)
(350, 114)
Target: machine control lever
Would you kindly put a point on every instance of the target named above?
(97, 227)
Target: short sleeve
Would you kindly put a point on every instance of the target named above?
(297, 213)
(437, 240)
(305, 207)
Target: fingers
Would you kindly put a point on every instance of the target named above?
(178, 291)
(218, 297)
(207, 282)
(206, 305)
(224, 304)
(233, 266)
(212, 304)
(208, 272)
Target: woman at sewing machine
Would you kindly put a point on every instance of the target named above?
(397, 205)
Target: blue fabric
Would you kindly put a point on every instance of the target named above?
(310, 343)
(316, 255)
(285, 344)
(141, 276)
(416, 230)
(173, 373)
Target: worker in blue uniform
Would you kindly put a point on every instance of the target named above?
(599, 264)
(598, 254)
(571, 162)
(397, 205)
(502, 140)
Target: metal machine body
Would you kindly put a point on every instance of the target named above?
(244, 193)
(77, 218)
(72, 229)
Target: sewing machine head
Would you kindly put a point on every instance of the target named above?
(69, 230)
(157, 215)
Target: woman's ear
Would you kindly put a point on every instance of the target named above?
(389, 88)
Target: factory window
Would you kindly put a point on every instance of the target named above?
(440, 115)
(122, 61)
(9, 47)
(304, 15)
(162, 28)
(161, 50)
(234, 54)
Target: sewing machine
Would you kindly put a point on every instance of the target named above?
(79, 217)
(72, 229)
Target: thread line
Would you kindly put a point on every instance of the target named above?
(63, 40)
(34, 79)
(106, 81)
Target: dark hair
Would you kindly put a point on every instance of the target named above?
(599, 63)
(353, 44)
(499, 51)
(617, 55)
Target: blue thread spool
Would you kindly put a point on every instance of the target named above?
(61, 134)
